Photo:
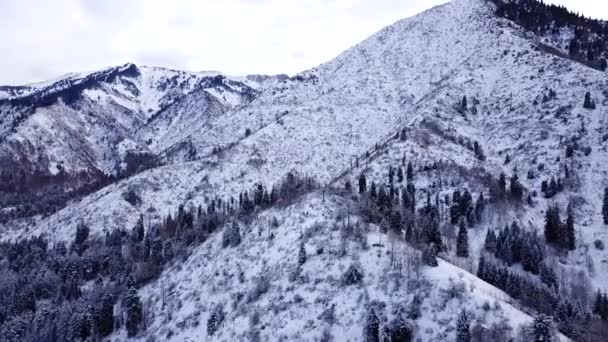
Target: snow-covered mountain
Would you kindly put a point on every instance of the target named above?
(460, 93)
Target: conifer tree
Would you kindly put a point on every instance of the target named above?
(481, 268)
(463, 104)
(479, 207)
(372, 327)
(552, 224)
(588, 103)
(429, 256)
(362, 184)
(372, 190)
(605, 206)
(463, 329)
(133, 311)
(156, 252)
(490, 243)
(543, 328)
(138, 230)
(502, 185)
(399, 174)
(232, 235)
(104, 315)
(462, 242)
(410, 172)
(516, 189)
(395, 221)
(302, 254)
(570, 237)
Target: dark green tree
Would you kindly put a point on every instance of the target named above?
(462, 242)
(570, 236)
(372, 327)
(134, 313)
(410, 172)
(138, 230)
(543, 328)
(463, 328)
(362, 184)
(605, 206)
(302, 253)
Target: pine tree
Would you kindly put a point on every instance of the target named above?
(156, 252)
(463, 328)
(104, 315)
(588, 103)
(570, 237)
(429, 256)
(82, 234)
(399, 174)
(552, 224)
(410, 172)
(395, 221)
(517, 190)
(543, 328)
(372, 190)
(138, 230)
(302, 254)
(147, 248)
(409, 233)
(372, 327)
(362, 184)
(168, 252)
(490, 243)
(232, 235)
(463, 104)
(481, 268)
(215, 319)
(502, 185)
(479, 207)
(605, 206)
(462, 243)
(133, 311)
(391, 174)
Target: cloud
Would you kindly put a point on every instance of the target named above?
(44, 39)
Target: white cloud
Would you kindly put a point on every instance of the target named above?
(43, 39)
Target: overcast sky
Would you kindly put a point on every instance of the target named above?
(43, 39)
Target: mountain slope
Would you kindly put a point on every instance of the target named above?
(82, 131)
(396, 98)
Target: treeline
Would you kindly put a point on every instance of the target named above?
(572, 319)
(588, 43)
(69, 292)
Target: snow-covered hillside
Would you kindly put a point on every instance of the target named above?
(265, 296)
(456, 91)
(87, 121)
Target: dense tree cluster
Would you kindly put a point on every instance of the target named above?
(571, 318)
(560, 234)
(464, 208)
(551, 187)
(588, 43)
(515, 245)
(600, 307)
(42, 297)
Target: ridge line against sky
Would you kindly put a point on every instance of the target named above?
(44, 39)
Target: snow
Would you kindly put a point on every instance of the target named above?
(181, 300)
(409, 75)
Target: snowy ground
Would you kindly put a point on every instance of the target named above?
(180, 302)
